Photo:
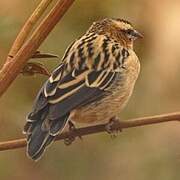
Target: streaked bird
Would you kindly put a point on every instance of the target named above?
(92, 84)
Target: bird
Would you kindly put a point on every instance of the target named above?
(92, 84)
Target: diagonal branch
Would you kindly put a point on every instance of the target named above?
(19, 143)
(27, 28)
(12, 68)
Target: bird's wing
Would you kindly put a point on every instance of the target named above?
(75, 89)
(80, 80)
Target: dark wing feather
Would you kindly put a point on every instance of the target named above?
(101, 79)
(55, 102)
(40, 102)
(80, 97)
(75, 91)
(49, 88)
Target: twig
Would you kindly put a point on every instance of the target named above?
(12, 68)
(27, 28)
(19, 143)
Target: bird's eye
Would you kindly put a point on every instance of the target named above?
(129, 31)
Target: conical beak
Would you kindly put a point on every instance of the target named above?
(137, 34)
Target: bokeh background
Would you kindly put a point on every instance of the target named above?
(144, 153)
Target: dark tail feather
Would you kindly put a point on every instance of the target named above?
(42, 149)
(41, 133)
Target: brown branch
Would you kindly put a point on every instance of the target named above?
(12, 68)
(27, 28)
(19, 143)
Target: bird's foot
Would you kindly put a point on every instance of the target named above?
(69, 140)
(113, 127)
(72, 130)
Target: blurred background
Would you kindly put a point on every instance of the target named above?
(143, 153)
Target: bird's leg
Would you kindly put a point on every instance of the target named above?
(72, 130)
(68, 141)
(112, 127)
(71, 126)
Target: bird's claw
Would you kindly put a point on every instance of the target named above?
(71, 137)
(69, 140)
(113, 128)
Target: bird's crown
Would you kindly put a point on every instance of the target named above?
(119, 29)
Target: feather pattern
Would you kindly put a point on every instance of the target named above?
(87, 71)
(84, 68)
(91, 69)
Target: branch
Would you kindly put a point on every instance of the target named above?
(12, 68)
(19, 143)
(27, 28)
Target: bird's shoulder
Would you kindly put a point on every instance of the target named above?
(94, 51)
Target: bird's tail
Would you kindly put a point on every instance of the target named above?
(41, 132)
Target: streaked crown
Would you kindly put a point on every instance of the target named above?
(119, 29)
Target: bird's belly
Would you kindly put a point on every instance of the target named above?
(101, 111)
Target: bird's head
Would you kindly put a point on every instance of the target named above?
(118, 29)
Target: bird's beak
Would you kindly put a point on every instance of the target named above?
(137, 35)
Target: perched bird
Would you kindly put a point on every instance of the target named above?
(92, 84)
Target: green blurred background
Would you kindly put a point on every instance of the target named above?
(144, 153)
